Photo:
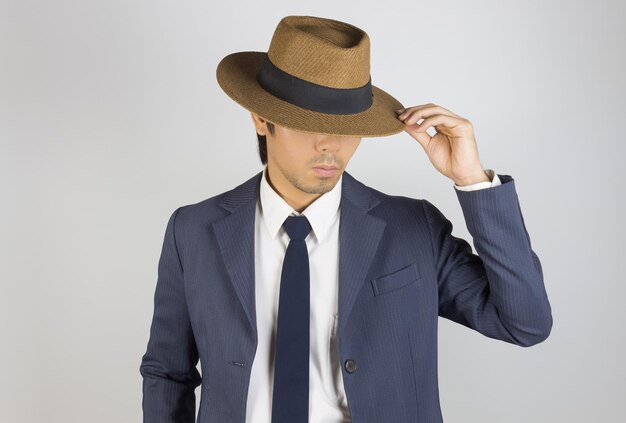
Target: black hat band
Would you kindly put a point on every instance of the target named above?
(311, 96)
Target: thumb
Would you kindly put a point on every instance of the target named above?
(422, 137)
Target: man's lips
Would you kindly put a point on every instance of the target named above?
(326, 171)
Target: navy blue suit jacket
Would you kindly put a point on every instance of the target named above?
(399, 269)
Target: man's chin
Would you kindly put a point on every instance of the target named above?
(321, 186)
(328, 183)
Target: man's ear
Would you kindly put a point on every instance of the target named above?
(259, 124)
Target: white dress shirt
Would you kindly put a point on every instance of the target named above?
(327, 398)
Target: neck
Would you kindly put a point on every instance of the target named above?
(296, 198)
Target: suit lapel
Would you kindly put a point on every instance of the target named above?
(359, 236)
(235, 236)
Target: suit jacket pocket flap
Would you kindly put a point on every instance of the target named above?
(395, 280)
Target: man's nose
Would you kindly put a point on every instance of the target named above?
(329, 144)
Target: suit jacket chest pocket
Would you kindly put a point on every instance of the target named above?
(395, 280)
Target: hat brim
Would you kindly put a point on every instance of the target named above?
(236, 75)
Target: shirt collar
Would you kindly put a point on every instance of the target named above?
(321, 213)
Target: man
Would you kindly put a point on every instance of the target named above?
(308, 296)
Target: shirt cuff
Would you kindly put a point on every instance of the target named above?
(495, 181)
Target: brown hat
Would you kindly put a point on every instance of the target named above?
(314, 78)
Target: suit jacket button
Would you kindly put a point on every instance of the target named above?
(350, 365)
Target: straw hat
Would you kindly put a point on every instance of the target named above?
(315, 77)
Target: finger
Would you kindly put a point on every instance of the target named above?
(413, 116)
(423, 138)
(425, 110)
(402, 113)
(435, 108)
(443, 120)
(445, 111)
(441, 123)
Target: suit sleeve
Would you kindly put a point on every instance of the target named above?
(168, 367)
(499, 291)
(494, 181)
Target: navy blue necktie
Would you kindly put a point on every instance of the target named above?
(290, 402)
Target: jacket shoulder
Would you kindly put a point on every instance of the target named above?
(391, 202)
(204, 212)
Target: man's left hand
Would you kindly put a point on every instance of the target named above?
(452, 150)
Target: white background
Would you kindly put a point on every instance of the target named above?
(111, 117)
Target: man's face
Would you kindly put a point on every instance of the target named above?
(293, 156)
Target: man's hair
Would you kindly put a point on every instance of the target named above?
(263, 142)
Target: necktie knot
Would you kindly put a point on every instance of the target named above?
(297, 227)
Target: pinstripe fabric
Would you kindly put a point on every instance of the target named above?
(400, 269)
(168, 367)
